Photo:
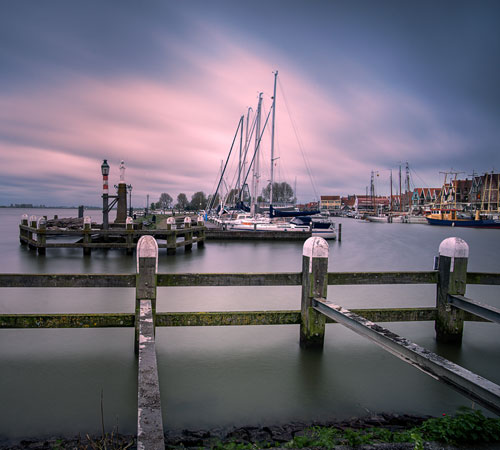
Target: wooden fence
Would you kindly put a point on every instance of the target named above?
(449, 314)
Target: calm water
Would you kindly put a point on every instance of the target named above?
(51, 380)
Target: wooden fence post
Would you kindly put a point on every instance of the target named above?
(87, 236)
(23, 234)
(172, 236)
(41, 238)
(149, 414)
(200, 222)
(32, 225)
(314, 284)
(188, 235)
(147, 266)
(452, 267)
(129, 226)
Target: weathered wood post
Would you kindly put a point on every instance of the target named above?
(172, 236)
(41, 238)
(22, 233)
(87, 235)
(32, 225)
(188, 235)
(339, 233)
(452, 267)
(149, 415)
(129, 226)
(201, 234)
(314, 284)
(147, 265)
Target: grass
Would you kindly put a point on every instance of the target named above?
(467, 426)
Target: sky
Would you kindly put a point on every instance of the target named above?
(362, 86)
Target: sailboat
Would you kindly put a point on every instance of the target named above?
(252, 221)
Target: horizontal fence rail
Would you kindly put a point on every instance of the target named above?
(231, 279)
(61, 280)
(356, 278)
(214, 318)
(217, 279)
(492, 279)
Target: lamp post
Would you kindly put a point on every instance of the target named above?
(105, 194)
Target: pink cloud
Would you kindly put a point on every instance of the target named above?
(173, 134)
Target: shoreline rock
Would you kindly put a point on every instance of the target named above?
(253, 435)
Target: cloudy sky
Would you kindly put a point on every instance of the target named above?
(363, 85)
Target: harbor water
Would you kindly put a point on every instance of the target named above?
(52, 380)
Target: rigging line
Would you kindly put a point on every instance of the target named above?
(299, 141)
(264, 162)
(244, 157)
(249, 140)
(240, 124)
(418, 176)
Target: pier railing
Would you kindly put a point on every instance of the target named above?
(451, 310)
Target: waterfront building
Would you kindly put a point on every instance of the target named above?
(330, 203)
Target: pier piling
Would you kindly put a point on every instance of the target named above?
(452, 280)
(188, 237)
(147, 266)
(87, 236)
(201, 234)
(171, 238)
(149, 416)
(41, 226)
(314, 284)
(23, 235)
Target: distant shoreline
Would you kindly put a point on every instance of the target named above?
(28, 206)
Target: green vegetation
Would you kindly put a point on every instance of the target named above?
(467, 426)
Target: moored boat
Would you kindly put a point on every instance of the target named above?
(456, 218)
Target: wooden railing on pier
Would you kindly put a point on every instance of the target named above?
(449, 314)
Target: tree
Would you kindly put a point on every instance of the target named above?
(282, 192)
(182, 202)
(215, 203)
(198, 201)
(165, 201)
(232, 197)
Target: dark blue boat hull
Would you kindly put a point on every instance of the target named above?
(482, 223)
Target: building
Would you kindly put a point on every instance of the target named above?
(369, 203)
(330, 203)
(425, 196)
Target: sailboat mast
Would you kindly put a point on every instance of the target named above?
(272, 140)
(391, 190)
(400, 193)
(238, 187)
(408, 188)
(256, 164)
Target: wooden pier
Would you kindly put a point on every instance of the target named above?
(35, 234)
(452, 310)
(256, 235)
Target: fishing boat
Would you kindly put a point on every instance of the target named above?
(457, 218)
(449, 215)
